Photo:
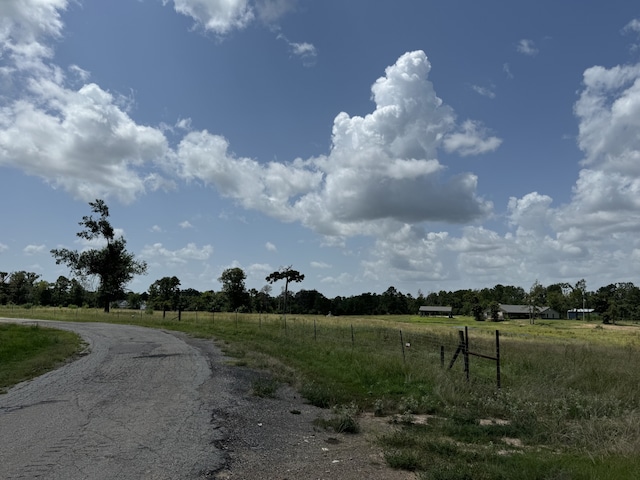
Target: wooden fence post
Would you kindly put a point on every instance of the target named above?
(498, 358)
(404, 358)
(466, 351)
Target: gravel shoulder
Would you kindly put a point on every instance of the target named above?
(275, 438)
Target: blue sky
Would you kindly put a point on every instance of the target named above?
(416, 144)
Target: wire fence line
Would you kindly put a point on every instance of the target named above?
(416, 346)
(413, 345)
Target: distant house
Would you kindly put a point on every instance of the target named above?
(548, 313)
(579, 313)
(514, 312)
(427, 311)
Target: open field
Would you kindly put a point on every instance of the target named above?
(569, 406)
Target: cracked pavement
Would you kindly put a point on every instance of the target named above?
(138, 406)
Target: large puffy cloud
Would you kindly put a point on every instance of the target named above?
(609, 113)
(380, 167)
(268, 188)
(605, 197)
(24, 23)
(81, 140)
(593, 236)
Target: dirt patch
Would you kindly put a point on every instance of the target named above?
(276, 439)
(609, 326)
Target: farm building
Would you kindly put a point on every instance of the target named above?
(579, 313)
(427, 311)
(513, 312)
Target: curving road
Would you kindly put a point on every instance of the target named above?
(138, 406)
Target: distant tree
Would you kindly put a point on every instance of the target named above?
(164, 294)
(4, 288)
(60, 291)
(287, 274)
(535, 299)
(112, 264)
(22, 286)
(134, 300)
(42, 293)
(190, 299)
(77, 294)
(309, 302)
(233, 287)
(494, 311)
(477, 310)
(264, 299)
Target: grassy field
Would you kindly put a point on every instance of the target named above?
(569, 406)
(29, 351)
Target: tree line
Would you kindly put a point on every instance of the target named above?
(614, 302)
(113, 267)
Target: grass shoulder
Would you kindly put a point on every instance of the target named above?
(27, 351)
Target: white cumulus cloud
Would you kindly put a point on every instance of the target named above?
(157, 253)
(34, 249)
(380, 166)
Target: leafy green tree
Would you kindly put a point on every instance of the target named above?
(477, 310)
(112, 264)
(4, 288)
(535, 299)
(134, 300)
(77, 294)
(42, 293)
(164, 294)
(264, 299)
(287, 274)
(60, 291)
(232, 280)
(494, 311)
(22, 287)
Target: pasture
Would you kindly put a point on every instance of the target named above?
(568, 406)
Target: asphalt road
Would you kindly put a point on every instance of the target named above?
(138, 406)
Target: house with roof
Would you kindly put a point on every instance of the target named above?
(514, 312)
(435, 311)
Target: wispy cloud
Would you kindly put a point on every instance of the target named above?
(306, 52)
(527, 47)
(507, 70)
(484, 91)
(34, 249)
(322, 265)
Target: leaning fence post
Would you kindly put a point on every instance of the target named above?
(404, 358)
(498, 357)
(353, 340)
(458, 350)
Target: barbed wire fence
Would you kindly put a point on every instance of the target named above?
(409, 345)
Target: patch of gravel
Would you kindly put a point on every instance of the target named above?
(275, 438)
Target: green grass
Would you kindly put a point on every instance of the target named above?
(569, 406)
(29, 351)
